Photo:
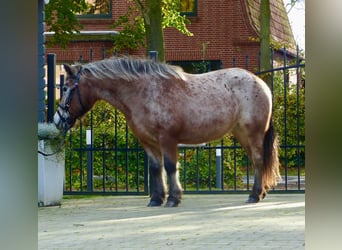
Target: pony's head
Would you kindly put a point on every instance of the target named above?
(74, 102)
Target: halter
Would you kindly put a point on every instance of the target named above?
(68, 99)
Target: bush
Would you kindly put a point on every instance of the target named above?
(289, 120)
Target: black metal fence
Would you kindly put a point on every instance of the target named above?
(104, 157)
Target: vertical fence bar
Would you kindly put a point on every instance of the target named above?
(146, 176)
(81, 157)
(298, 116)
(209, 166)
(137, 165)
(285, 115)
(61, 85)
(91, 54)
(51, 86)
(127, 158)
(184, 171)
(89, 160)
(197, 171)
(218, 167)
(103, 164)
(70, 159)
(116, 148)
(222, 159)
(235, 165)
(103, 52)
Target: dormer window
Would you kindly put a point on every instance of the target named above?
(188, 7)
(97, 9)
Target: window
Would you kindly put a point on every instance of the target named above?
(188, 7)
(97, 9)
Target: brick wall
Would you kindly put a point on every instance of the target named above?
(223, 25)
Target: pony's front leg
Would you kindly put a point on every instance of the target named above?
(157, 175)
(175, 192)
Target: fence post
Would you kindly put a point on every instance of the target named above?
(41, 60)
(51, 86)
(153, 55)
(218, 167)
(61, 85)
(89, 160)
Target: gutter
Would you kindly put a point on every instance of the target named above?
(89, 33)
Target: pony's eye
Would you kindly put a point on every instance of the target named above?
(65, 89)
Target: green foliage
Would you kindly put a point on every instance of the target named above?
(133, 34)
(197, 166)
(202, 66)
(110, 157)
(173, 18)
(292, 97)
(60, 18)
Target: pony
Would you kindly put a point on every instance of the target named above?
(165, 106)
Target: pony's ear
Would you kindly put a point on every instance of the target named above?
(69, 69)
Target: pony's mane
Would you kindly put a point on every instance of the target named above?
(131, 69)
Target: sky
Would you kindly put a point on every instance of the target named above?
(297, 21)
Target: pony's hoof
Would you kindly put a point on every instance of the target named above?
(154, 203)
(252, 199)
(172, 203)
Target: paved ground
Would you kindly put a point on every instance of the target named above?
(219, 221)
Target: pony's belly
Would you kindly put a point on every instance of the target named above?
(204, 134)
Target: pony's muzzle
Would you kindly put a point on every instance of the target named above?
(63, 123)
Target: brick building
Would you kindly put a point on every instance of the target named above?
(225, 28)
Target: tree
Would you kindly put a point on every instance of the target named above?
(61, 19)
(152, 15)
(265, 39)
(144, 22)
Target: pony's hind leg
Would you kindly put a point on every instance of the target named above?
(259, 190)
(262, 149)
(253, 146)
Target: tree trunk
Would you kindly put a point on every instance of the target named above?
(265, 32)
(153, 27)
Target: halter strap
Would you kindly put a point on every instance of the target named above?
(76, 81)
(77, 77)
(70, 96)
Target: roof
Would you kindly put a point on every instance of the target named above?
(281, 31)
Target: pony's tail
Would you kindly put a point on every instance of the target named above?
(270, 169)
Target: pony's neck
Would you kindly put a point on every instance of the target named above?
(115, 92)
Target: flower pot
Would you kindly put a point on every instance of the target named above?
(50, 176)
